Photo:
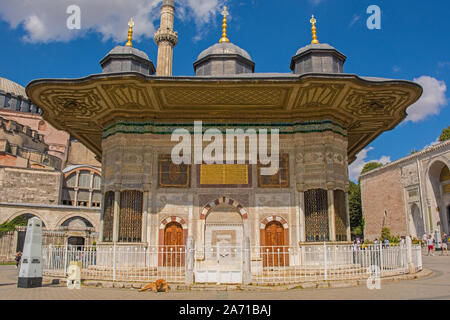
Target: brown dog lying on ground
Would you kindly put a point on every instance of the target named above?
(159, 285)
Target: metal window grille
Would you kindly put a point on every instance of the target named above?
(316, 215)
(340, 213)
(130, 220)
(108, 217)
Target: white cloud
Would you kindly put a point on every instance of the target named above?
(355, 19)
(432, 100)
(45, 20)
(354, 170)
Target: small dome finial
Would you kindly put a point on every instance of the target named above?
(314, 30)
(130, 33)
(224, 38)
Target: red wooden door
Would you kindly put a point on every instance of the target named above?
(173, 249)
(274, 252)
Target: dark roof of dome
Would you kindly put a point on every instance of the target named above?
(119, 50)
(320, 46)
(224, 48)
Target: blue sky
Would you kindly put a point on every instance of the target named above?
(413, 42)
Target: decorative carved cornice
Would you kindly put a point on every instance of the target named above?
(363, 107)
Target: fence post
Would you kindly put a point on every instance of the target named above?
(381, 258)
(114, 262)
(65, 259)
(325, 260)
(247, 274)
(190, 259)
(411, 266)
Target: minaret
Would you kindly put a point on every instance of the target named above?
(166, 39)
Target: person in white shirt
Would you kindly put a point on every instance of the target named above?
(430, 245)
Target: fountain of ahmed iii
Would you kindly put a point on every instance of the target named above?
(127, 114)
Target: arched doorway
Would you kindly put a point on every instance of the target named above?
(439, 192)
(417, 225)
(274, 250)
(223, 244)
(173, 242)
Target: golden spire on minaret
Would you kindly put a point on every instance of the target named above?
(224, 38)
(130, 33)
(314, 30)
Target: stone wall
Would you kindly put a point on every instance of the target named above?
(29, 186)
(79, 154)
(383, 203)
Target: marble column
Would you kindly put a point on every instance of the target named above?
(145, 212)
(331, 216)
(116, 216)
(302, 226)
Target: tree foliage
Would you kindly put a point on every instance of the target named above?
(445, 134)
(355, 208)
(11, 225)
(371, 166)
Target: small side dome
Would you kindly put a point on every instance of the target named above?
(127, 59)
(14, 97)
(11, 87)
(318, 58)
(223, 59)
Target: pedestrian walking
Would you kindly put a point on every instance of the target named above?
(18, 258)
(444, 244)
(430, 244)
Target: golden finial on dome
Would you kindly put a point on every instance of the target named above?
(314, 30)
(130, 33)
(224, 38)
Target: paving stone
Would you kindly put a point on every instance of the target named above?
(344, 284)
(321, 285)
(308, 285)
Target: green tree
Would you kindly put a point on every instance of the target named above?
(371, 166)
(11, 225)
(355, 208)
(445, 134)
(386, 233)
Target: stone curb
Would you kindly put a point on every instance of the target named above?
(182, 287)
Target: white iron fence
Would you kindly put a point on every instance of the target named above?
(281, 265)
(118, 263)
(225, 264)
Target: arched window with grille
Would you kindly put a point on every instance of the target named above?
(316, 215)
(82, 188)
(130, 218)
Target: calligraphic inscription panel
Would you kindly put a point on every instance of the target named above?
(224, 174)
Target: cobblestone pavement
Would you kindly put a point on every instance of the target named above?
(436, 287)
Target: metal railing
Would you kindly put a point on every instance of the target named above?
(118, 263)
(268, 265)
(288, 264)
